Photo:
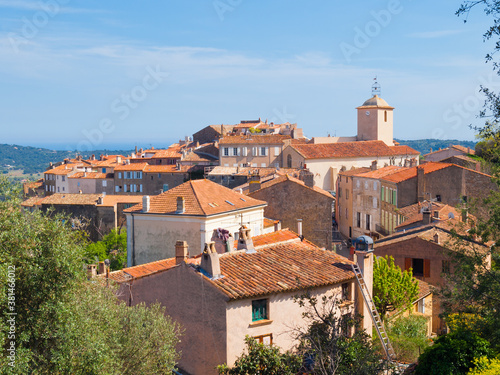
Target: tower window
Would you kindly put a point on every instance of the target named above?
(385, 116)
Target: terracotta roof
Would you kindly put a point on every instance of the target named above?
(268, 223)
(278, 268)
(92, 175)
(196, 157)
(355, 171)
(254, 139)
(147, 269)
(404, 150)
(63, 169)
(414, 209)
(170, 168)
(347, 150)
(281, 236)
(110, 200)
(33, 201)
(424, 289)
(131, 167)
(381, 172)
(201, 197)
(466, 150)
(287, 177)
(375, 102)
(77, 199)
(408, 173)
(168, 153)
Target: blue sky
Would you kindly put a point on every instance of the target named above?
(94, 74)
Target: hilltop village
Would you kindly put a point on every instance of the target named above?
(226, 226)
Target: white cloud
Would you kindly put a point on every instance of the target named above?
(40, 5)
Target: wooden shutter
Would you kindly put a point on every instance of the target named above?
(408, 264)
(427, 268)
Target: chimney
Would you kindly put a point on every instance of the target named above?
(420, 183)
(102, 268)
(101, 157)
(146, 203)
(136, 150)
(299, 227)
(181, 251)
(413, 162)
(374, 165)
(210, 261)
(180, 205)
(426, 217)
(254, 183)
(307, 177)
(277, 225)
(436, 238)
(91, 271)
(99, 200)
(245, 242)
(118, 159)
(197, 144)
(436, 214)
(92, 157)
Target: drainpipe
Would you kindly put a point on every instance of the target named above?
(133, 240)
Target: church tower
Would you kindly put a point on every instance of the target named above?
(375, 119)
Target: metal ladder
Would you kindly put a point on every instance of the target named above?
(379, 325)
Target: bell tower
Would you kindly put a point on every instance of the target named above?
(375, 119)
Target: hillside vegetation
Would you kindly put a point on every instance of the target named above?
(424, 146)
(36, 160)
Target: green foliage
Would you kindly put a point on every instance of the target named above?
(393, 289)
(452, 354)
(485, 366)
(336, 344)
(255, 130)
(262, 359)
(113, 247)
(424, 146)
(64, 323)
(408, 335)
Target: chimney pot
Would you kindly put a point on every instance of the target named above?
(180, 205)
(210, 261)
(146, 203)
(436, 238)
(91, 271)
(374, 165)
(181, 251)
(299, 227)
(102, 268)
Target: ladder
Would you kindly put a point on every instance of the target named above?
(379, 325)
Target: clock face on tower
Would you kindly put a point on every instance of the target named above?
(367, 113)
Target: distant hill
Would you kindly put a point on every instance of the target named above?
(424, 146)
(36, 159)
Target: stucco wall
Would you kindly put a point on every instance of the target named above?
(196, 305)
(284, 316)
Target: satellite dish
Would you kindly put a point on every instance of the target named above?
(451, 215)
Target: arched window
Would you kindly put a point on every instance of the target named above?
(289, 161)
(385, 116)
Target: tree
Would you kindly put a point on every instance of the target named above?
(113, 247)
(65, 323)
(328, 342)
(393, 289)
(452, 354)
(262, 359)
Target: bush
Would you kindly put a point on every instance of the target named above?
(453, 354)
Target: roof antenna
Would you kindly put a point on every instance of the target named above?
(376, 87)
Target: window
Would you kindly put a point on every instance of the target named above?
(159, 175)
(346, 213)
(375, 203)
(263, 165)
(140, 188)
(58, 189)
(340, 193)
(445, 267)
(357, 183)
(119, 174)
(421, 306)
(263, 151)
(289, 161)
(165, 187)
(125, 188)
(63, 178)
(129, 174)
(225, 151)
(104, 170)
(346, 194)
(421, 267)
(259, 310)
(358, 220)
(374, 185)
(235, 151)
(368, 222)
(244, 151)
(366, 185)
(117, 189)
(276, 151)
(264, 339)
(345, 324)
(438, 198)
(345, 292)
(104, 183)
(254, 151)
(394, 200)
(385, 116)
(382, 192)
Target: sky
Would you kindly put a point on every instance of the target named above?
(114, 74)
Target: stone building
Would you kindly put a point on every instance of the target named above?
(290, 199)
(220, 298)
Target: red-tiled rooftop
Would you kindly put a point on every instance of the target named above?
(408, 173)
(201, 197)
(381, 172)
(285, 178)
(285, 267)
(72, 199)
(349, 150)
